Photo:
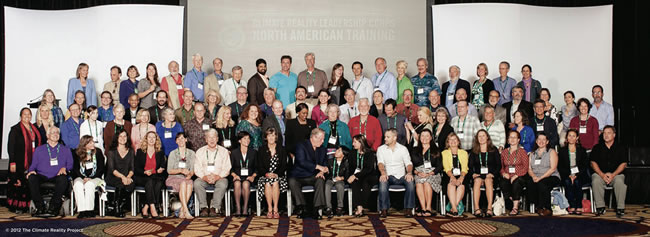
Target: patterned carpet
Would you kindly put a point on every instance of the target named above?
(635, 223)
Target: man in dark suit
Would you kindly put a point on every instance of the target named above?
(257, 83)
(309, 168)
(448, 95)
(278, 121)
(518, 103)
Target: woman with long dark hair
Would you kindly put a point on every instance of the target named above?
(23, 140)
(363, 174)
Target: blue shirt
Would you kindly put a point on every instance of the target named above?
(194, 80)
(285, 87)
(604, 114)
(422, 87)
(527, 137)
(105, 115)
(504, 89)
(41, 160)
(70, 132)
(169, 143)
(74, 85)
(451, 90)
(386, 83)
(57, 116)
(127, 87)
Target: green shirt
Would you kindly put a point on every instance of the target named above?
(402, 85)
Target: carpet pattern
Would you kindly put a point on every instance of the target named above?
(635, 223)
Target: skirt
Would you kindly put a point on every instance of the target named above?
(175, 182)
(262, 181)
(18, 197)
(434, 180)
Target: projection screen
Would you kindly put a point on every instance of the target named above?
(337, 31)
(43, 48)
(568, 48)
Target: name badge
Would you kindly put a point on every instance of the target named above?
(538, 161)
(133, 121)
(575, 170)
(227, 143)
(90, 165)
(357, 170)
(179, 87)
(54, 162)
(244, 172)
(168, 134)
(206, 127)
(332, 140)
(540, 127)
(427, 164)
(333, 88)
(96, 142)
(155, 95)
(220, 82)
(511, 169)
(200, 86)
(181, 165)
(210, 168)
(450, 97)
(420, 90)
(135, 90)
(583, 129)
(460, 135)
(484, 170)
(33, 144)
(455, 171)
(310, 89)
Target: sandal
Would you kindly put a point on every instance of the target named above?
(427, 213)
(419, 213)
(276, 215)
(578, 212)
(269, 215)
(489, 213)
(478, 213)
(514, 211)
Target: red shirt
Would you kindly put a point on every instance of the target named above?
(411, 114)
(150, 164)
(372, 130)
(519, 158)
(179, 82)
(590, 139)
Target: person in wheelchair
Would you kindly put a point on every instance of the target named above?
(50, 164)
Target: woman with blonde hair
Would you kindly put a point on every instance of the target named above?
(455, 166)
(426, 122)
(403, 82)
(49, 100)
(150, 172)
(81, 83)
(226, 128)
(44, 121)
(482, 87)
(141, 129)
(212, 101)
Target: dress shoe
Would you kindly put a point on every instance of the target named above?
(408, 212)
(213, 212)
(204, 212)
(383, 213)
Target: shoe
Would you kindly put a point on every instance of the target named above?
(408, 212)
(328, 212)
(276, 215)
(546, 212)
(383, 213)
(600, 211)
(620, 213)
(316, 215)
(40, 212)
(514, 211)
(204, 212)
(53, 211)
(213, 212)
(339, 211)
(300, 211)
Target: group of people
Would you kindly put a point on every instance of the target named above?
(203, 132)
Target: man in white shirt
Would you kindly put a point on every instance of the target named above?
(229, 87)
(384, 80)
(212, 167)
(349, 109)
(361, 85)
(395, 166)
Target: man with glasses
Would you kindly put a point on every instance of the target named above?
(601, 110)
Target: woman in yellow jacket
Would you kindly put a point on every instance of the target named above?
(454, 163)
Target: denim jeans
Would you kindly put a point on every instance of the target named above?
(409, 195)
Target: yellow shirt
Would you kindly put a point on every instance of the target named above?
(447, 160)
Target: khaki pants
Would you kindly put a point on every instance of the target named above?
(598, 185)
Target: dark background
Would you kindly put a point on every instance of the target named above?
(630, 52)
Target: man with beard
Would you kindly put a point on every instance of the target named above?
(257, 83)
(155, 112)
(173, 84)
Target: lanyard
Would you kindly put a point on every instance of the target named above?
(457, 160)
(197, 76)
(382, 78)
(312, 76)
(504, 84)
(487, 128)
(510, 156)
(359, 85)
(115, 127)
(179, 154)
(586, 121)
(543, 121)
(458, 123)
(388, 123)
(224, 135)
(428, 155)
(336, 168)
(74, 124)
(185, 116)
(49, 153)
(523, 135)
(365, 128)
(480, 160)
(359, 164)
(234, 84)
(237, 108)
(147, 131)
(157, 116)
(333, 131)
(241, 164)
(353, 110)
(213, 157)
(90, 130)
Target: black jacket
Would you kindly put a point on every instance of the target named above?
(524, 106)
(99, 172)
(237, 160)
(141, 159)
(256, 88)
(342, 169)
(417, 158)
(369, 167)
(460, 84)
(263, 161)
(444, 133)
(582, 161)
(493, 162)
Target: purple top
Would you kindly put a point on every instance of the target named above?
(41, 160)
(527, 84)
